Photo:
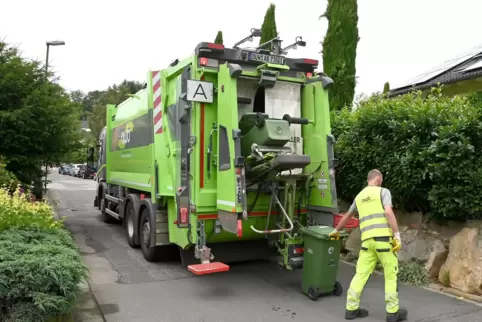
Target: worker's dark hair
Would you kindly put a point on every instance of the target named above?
(372, 174)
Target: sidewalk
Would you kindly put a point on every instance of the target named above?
(86, 309)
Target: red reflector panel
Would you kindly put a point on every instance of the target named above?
(240, 228)
(208, 268)
(310, 61)
(183, 215)
(216, 46)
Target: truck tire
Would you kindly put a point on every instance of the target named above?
(151, 254)
(129, 226)
(103, 204)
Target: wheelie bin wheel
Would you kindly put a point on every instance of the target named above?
(312, 294)
(338, 290)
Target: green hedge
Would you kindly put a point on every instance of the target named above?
(429, 150)
(40, 265)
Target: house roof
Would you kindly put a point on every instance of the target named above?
(467, 65)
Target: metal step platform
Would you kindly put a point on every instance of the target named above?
(208, 268)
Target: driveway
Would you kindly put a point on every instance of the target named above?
(128, 288)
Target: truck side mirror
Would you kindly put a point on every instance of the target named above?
(90, 157)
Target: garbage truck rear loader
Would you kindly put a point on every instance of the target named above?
(224, 155)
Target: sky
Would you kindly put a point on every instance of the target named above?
(109, 41)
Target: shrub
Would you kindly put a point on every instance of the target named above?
(17, 211)
(40, 270)
(413, 273)
(7, 179)
(427, 147)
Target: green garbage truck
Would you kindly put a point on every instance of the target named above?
(224, 156)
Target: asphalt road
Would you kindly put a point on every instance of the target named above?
(128, 288)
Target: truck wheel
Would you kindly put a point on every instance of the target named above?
(129, 224)
(151, 254)
(103, 205)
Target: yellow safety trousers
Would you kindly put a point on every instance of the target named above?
(372, 250)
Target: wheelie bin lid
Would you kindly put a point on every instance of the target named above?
(320, 232)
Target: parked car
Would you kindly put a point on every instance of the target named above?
(65, 169)
(74, 171)
(86, 172)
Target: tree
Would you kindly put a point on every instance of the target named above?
(386, 88)
(339, 50)
(268, 28)
(219, 38)
(39, 122)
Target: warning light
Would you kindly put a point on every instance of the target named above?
(309, 75)
(310, 61)
(203, 61)
(183, 212)
(215, 46)
(238, 171)
(298, 250)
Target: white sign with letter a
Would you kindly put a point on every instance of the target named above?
(198, 91)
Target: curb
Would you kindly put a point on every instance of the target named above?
(53, 199)
(99, 315)
(452, 292)
(439, 289)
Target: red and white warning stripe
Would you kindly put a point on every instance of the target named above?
(156, 97)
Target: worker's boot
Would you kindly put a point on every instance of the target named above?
(360, 313)
(401, 315)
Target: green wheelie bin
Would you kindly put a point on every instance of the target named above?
(321, 262)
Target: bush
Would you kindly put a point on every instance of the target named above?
(7, 179)
(40, 266)
(40, 271)
(428, 149)
(17, 211)
(413, 273)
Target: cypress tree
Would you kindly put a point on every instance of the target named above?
(268, 29)
(219, 38)
(386, 87)
(339, 50)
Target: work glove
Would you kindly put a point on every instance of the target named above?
(334, 235)
(397, 242)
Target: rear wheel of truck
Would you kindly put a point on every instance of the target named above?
(151, 254)
(129, 225)
(103, 203)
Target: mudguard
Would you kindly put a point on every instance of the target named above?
(102, 186)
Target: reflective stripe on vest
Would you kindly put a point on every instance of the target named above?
(373, 222)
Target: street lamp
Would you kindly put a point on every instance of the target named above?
(49, 43)
(52, 43)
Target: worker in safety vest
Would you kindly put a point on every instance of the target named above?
(380, 241)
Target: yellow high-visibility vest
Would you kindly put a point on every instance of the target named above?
(371, 212)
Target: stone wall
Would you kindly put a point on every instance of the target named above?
(451, 253)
